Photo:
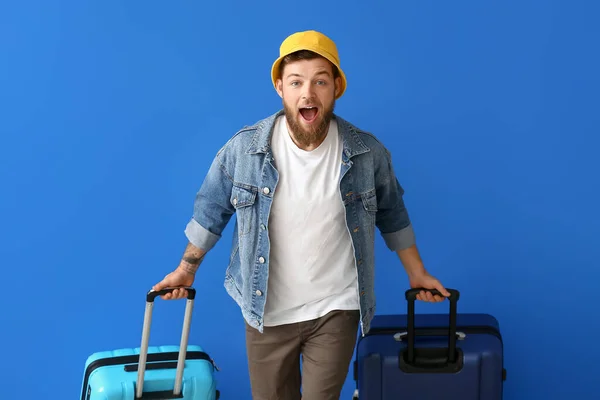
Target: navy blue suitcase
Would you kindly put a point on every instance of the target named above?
(430, 356)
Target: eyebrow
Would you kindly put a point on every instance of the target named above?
(317, 74)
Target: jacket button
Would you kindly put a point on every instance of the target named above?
(258, 293)
(261, 260)
(266, 190)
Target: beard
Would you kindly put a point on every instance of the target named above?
(315, 132)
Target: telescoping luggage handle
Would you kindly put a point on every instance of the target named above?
(411, 296)
(150, 297)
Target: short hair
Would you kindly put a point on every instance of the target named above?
(304, 55)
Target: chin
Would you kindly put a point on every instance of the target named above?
(309, 120)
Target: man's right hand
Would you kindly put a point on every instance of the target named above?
(179, 277)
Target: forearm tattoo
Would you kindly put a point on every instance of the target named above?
(192, 257)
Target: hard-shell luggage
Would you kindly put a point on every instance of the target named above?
(158, 372)
(430, 356)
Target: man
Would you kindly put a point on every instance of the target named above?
(308, 190)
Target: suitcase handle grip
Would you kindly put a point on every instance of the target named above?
(187, 321)
(411, 294)
(191, 293)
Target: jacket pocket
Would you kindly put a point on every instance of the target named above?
(369, 201)
(242, 199)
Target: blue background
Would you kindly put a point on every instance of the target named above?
(112, 112)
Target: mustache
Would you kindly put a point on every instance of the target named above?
(310, 104)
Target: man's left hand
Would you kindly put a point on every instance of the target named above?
(428, 282)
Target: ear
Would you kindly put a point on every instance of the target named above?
(279, 87)
(338, 86)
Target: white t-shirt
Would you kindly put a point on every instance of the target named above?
(312, 269)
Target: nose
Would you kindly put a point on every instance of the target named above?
(307, 91)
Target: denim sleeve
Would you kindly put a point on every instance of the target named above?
(212, 208)
(392, 216)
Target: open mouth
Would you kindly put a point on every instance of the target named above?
(309, 114)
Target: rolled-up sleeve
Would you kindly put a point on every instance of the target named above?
(199, 236)
(400, 240)
(392, 216)
(212, 208)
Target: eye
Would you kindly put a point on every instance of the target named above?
(294, 83)
(321, 82)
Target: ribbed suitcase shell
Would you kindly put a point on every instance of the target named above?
(112, 375)
(378, 371)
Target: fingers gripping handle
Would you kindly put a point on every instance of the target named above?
(411, 294)
(150, 297)
(153, 294)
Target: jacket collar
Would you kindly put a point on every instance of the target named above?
(352, 143)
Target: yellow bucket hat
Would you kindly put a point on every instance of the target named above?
(313, 41)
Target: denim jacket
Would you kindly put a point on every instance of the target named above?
(242, 179)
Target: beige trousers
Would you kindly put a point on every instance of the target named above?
(326, 346)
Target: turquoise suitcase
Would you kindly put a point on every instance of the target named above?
(157, 372)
